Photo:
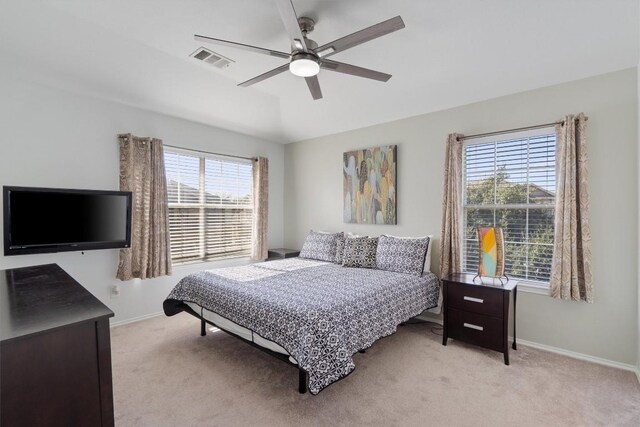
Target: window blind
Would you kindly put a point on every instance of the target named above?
(210, 207)
(511, 183)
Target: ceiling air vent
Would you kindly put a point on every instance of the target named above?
(212, 58)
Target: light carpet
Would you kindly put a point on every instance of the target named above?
(166, 374)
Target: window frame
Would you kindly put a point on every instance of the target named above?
(202, 206)
(527, 284)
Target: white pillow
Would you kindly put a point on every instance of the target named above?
(427, 258)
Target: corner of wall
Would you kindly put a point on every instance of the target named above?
(638, 172)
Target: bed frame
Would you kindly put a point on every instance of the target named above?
(302, 374)
(303, 377)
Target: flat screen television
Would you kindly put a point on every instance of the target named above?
(43, 220)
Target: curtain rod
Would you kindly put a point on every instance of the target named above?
(210, 152)
(500, 132)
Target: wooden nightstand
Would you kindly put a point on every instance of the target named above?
(282, 253)
(478, 312)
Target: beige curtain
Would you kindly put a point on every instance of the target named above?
(260, 208)
(571, 266)
(142, 172)
(450, 240)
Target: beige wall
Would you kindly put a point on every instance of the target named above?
(637, 168)
(605, 329)
(638, 260)
(54, 138)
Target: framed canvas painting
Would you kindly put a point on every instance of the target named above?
(369, 185)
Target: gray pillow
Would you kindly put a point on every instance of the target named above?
(402, 255)
(360, 252)
(320, 246)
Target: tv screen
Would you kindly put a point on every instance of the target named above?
(40, 220)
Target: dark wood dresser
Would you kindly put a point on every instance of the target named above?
(477, 312)
(55, 351)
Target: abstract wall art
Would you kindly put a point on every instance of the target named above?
(369, 185)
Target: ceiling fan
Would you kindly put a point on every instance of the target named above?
(306, 57)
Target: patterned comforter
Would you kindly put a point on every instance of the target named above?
(321, 313)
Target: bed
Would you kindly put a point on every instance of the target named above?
(315, 315)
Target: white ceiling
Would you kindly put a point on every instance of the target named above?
(450, 53)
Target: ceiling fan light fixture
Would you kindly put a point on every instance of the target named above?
(304, 65)
(306, 57)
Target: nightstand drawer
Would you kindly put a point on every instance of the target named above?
(475, 299)
(476, 329)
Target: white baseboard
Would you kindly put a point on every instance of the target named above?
(564, 352)
(428, 318)
(581, 356)
(136, 319)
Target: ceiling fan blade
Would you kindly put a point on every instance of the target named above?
(264, 76)
(359, 37)
(354, 70)
(314, 87)
(290, 21)
(242, 46)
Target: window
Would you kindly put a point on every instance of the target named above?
(510, 182)
(210, 206)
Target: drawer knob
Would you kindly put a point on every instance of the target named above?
(472, 299)
(472, 326)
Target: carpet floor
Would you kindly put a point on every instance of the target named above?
(165, 374)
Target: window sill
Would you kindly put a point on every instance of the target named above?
(533, 288)
(205, 265)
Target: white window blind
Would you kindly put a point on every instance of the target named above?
(510, 182)
(210, 206)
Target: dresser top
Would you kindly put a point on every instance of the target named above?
(37, 299)
(488, 282)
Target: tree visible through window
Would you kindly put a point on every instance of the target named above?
(210, 206)
(510, 183)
